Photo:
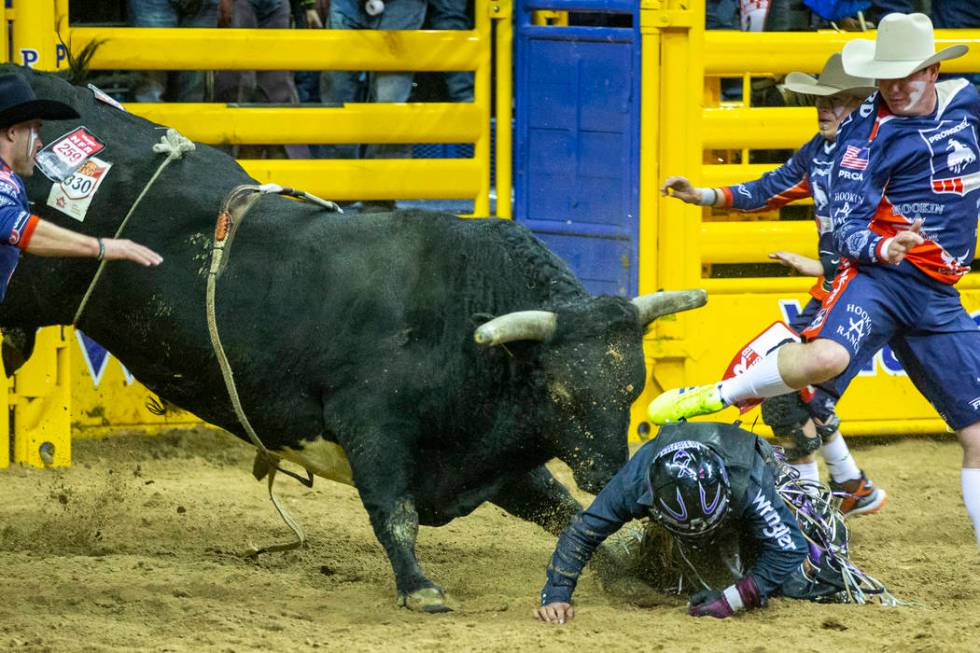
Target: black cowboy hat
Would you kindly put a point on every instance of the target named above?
(18, 103)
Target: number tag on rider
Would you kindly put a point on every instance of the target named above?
(756, 349)
(73, 196)
(60, 159)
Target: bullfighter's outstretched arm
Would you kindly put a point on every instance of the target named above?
(51, 240)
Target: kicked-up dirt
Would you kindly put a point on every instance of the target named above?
(136, 548)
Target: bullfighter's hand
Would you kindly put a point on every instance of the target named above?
(682, 190)
(804, 265)
(555, 613)
(120, 249)
(902, 242)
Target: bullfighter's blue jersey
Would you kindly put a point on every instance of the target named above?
(891, 170)
(805, 174)
(760, 512)
(17, 224)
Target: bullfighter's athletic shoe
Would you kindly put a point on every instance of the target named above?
(860, 496)
(682, 403)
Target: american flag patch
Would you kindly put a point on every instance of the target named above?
(855, 158)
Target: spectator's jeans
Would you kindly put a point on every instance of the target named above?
(451, 14)
(263, 86)
(721, 14)
(268, 86)
(350, 86)
(188, 86)
(881, 8)
(955, 13)
(307, 82)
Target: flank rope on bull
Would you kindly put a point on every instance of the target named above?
(233, 212)
(174, 145)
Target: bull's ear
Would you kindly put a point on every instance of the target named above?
(662, 303)
(520, 325)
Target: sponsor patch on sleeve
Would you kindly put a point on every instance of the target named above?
(74, 195)
(17, 230)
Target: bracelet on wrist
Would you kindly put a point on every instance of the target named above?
(101, 254)
(707, 196)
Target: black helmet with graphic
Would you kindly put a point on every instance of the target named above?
(691, 491)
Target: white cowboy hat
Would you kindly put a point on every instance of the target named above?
(832, 80)
(905, 44)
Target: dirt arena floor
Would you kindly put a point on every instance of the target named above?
(135, 547)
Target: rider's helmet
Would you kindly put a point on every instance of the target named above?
(691, 491)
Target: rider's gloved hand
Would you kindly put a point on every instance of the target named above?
(743, 595)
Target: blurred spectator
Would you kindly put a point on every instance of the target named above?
(881, 8)
(306, 15)
(952, 14)
(957, 14)
(263, 86)
(453, 14)
(774, 15)
(350, 86)
(184, 86)
(721, 14)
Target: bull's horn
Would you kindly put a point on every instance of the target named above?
(522, 325)
(661, 303)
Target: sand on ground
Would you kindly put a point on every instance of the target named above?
(136, 547)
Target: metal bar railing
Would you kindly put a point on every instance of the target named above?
(483, 29)
(417, 50)
(732, 54)
(5, 17)
(126, 48)
(368, 179)
(352, 123)
(502, 12)
(762, 128)
(791, 285)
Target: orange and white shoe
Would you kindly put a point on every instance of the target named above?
(860, 496)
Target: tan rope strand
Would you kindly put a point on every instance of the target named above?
(229, 378)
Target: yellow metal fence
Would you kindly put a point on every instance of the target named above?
(679, 243)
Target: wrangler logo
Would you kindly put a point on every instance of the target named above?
(776, 529)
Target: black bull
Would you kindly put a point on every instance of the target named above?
(357, 332)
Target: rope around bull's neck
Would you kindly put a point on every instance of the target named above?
(174, 145)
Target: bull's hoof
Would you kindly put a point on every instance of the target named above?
(427, 599)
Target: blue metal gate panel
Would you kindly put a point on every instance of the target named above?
(577, 141)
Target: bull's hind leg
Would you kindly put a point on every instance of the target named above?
(382, 473)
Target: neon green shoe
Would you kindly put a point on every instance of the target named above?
(682, 403)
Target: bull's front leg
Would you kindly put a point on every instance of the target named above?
(538, 497)
(383, 478)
